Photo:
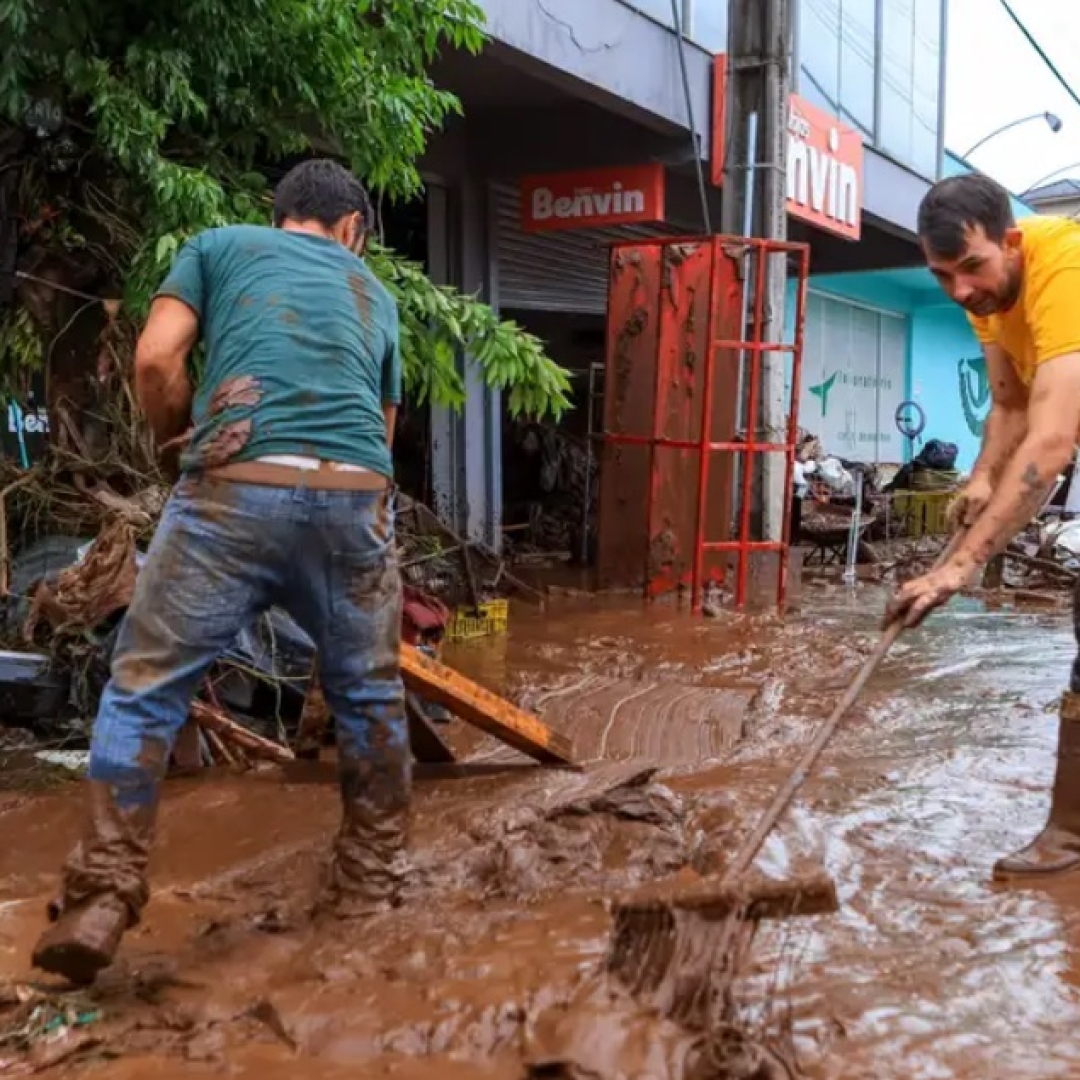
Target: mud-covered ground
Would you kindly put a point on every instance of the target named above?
(490, 967)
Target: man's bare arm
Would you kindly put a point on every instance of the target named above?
(390, 417)
(162, 386)
(1007, 421)
(1053, 419)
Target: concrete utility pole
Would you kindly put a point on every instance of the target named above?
(755, 204)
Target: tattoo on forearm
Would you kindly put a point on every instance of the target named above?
(1034, 490)
(1031, 479)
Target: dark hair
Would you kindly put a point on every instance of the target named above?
(321, 190)
(957, 204)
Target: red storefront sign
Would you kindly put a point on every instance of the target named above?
(592, 197)
(824, 170)
(824, 166)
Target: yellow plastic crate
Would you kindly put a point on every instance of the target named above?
(925, 513)
(467, 625)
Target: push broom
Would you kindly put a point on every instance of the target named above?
(679, 943)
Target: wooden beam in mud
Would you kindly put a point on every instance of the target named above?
(523, 731)
(230, 731)
(754, 896)
(428, 746)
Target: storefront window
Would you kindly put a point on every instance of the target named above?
(660, 10)
(926, 78)
(819, 32)
(894, 100)
(910, 81)
(858, 43)
(898, 39)
(854, 377)
(706, 23)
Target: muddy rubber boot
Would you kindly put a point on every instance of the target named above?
(1056, 850)
(369, 864)
(104, 893)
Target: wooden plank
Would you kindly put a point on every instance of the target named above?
(470, 702)
(214, 720)
(428, 746)
(754, 897)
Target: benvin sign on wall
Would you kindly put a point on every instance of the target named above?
(824, 166)
(824, 170)
(592, 198)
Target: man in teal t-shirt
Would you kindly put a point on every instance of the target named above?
(302, 347)
(284, 499)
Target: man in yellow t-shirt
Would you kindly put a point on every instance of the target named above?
(1019, 283)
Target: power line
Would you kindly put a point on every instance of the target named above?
(1042, 52)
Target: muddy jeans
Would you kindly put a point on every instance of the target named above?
(223, 553)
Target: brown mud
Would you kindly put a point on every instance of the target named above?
(488, 970)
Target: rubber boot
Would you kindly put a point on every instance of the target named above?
(105, 890)
(1056, 850)
(369, 862)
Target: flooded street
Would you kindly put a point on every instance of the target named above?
(928, 970)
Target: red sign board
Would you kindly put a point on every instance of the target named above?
(719, 118)
(591, 198)
(824, 161)
(824, 170)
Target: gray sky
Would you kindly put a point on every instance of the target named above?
(994, 76)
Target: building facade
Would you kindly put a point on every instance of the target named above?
(573, 98)
(1060, 199)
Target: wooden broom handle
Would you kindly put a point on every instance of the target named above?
(799, 775)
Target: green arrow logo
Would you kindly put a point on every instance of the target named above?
(822, 391)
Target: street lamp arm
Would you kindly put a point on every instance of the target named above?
(1050, 118)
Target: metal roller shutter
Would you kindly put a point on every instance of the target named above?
(559, 271)
(854, 377)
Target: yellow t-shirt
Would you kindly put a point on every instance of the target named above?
(1045, 322)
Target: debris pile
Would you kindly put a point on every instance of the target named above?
(39, 1031)
(437, 560)
(551, 515)
(880, 508)
(64, 598)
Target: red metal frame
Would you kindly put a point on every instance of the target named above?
(726, 255)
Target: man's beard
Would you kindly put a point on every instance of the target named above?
(1004, 299)
(1013, 286)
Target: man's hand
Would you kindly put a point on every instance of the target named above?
(971, 501)
(924, 594)
(169, 455)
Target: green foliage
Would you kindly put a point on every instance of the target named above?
(436, 321)
(20, 341)
(174, 112)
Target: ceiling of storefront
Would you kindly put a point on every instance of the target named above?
(493, 83)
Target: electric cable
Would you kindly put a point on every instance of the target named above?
(1053, 68)
(695, 144)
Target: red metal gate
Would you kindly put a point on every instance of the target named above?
(684, 347)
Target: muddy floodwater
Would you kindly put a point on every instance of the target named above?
(927, 971)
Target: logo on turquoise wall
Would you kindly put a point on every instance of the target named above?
(974, 393)
(822, 391)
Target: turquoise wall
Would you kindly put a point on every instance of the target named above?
(877, 288)
(948, 379)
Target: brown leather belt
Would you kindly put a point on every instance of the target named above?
(325, 478)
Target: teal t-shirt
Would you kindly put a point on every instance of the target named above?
(302, 348)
